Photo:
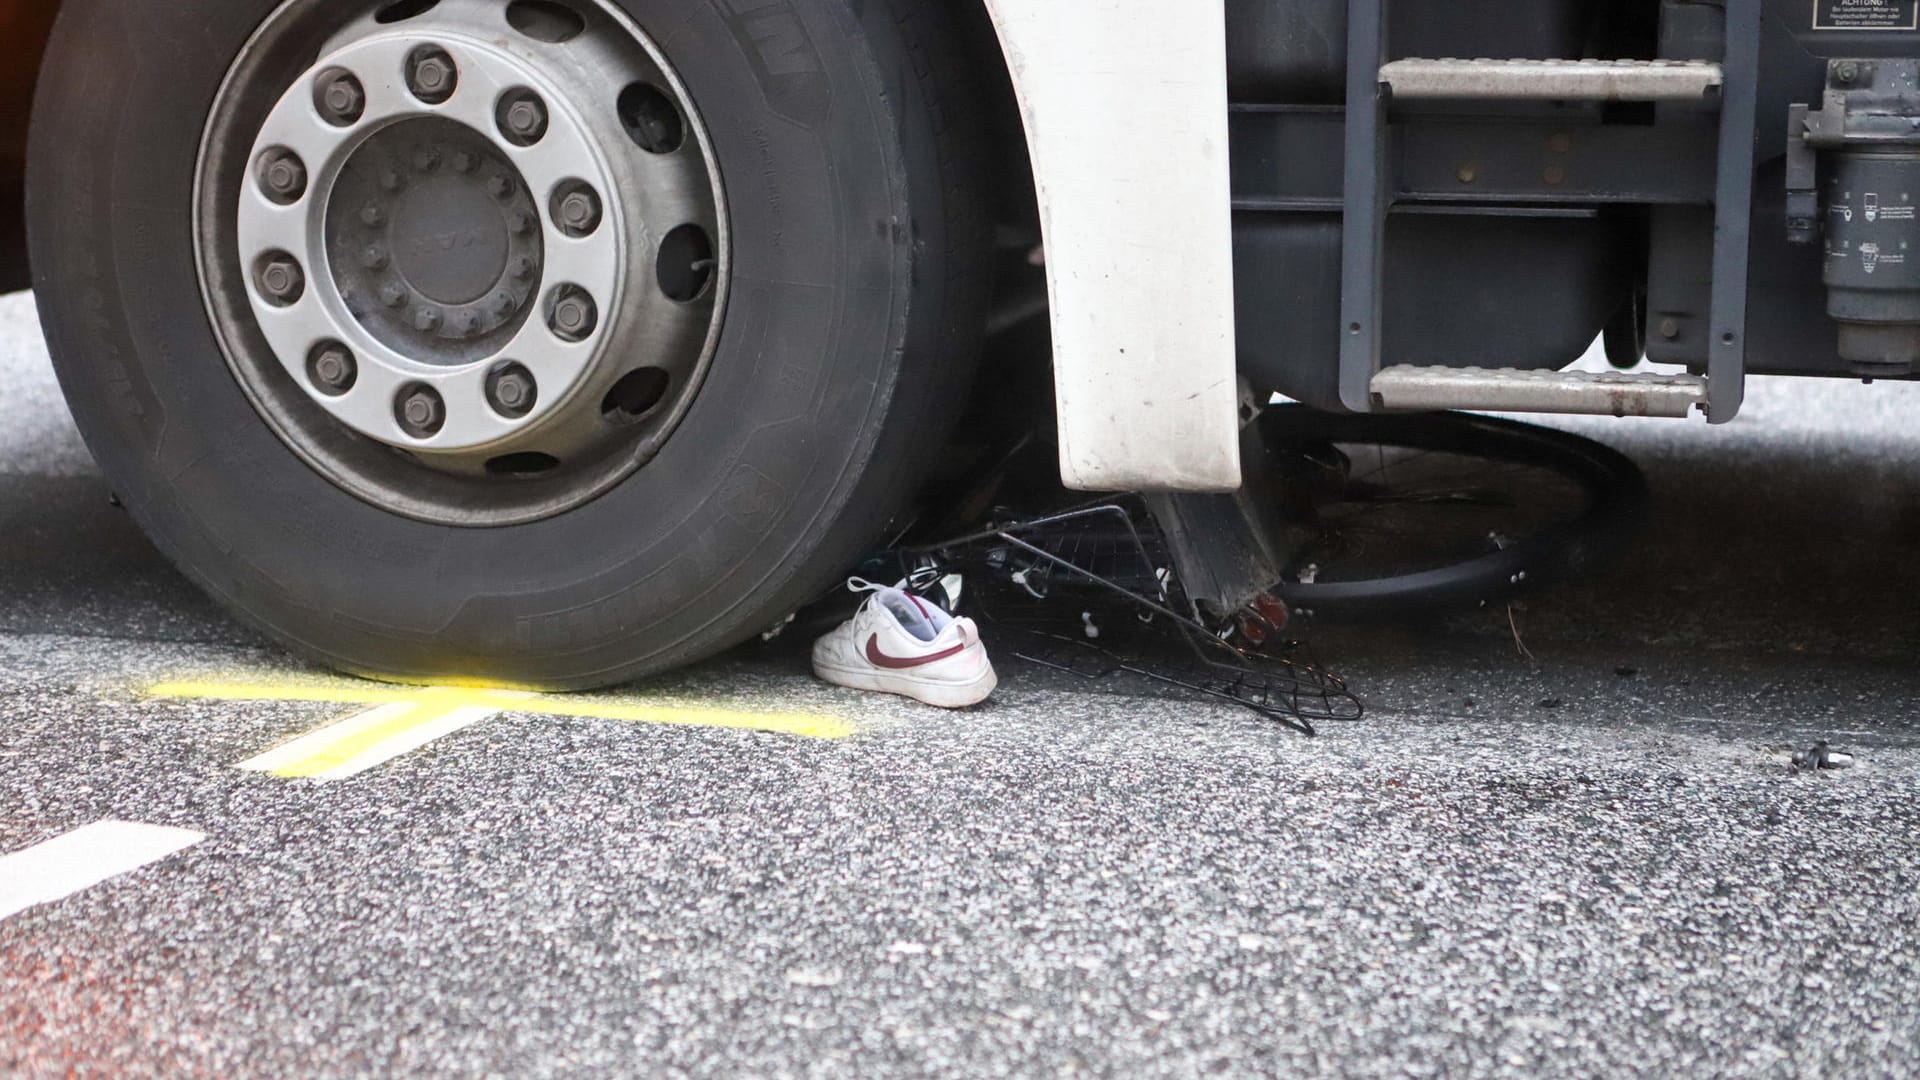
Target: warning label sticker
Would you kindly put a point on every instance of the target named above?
(1866, 14)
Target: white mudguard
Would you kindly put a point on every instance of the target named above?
(1125, 103)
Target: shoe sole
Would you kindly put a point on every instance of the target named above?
(943, 695)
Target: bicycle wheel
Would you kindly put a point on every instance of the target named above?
(1420, 513)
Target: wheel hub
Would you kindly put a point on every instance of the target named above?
(434, 241)
(456, 237)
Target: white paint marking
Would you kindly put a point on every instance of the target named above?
(84, 858)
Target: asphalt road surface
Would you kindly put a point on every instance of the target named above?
(1591, 861)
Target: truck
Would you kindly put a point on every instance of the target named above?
(558, 342)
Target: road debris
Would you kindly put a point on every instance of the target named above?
(1519, 644)
(1820, 756)
(1091, 591)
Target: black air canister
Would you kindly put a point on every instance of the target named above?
(1873, 256)
(1867, 136)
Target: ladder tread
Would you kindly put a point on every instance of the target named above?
(1522, 390)
(1553, 80)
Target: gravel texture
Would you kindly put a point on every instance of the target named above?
(1596, 861)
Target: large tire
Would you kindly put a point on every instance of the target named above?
(857, 295)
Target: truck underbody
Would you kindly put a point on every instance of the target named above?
(1524, 207)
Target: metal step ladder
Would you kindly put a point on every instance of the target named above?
(1731, 84)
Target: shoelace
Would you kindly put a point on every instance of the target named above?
(858, 585)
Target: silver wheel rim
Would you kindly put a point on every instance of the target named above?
(472, 262)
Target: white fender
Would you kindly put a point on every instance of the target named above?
(1125, 103)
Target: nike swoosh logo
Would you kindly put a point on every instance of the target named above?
(894, 663)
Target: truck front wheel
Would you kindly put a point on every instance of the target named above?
(547, 343)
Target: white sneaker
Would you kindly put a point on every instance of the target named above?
(899, 644)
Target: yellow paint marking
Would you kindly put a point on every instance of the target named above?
(371, 738)
(805, 725)
(320, 692)
(404, 719)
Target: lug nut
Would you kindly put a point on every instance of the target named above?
(426, 320)
(431, 75)
(511, 391)
(280, 278)
(576, 209)
(420, 411)
(522, 117)
(283, 176)
(572, 316)
(332, 368)
(339, 97)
